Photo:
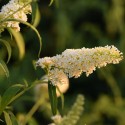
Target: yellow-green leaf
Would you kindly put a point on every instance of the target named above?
(33, 28)
(4, 68)
(35, 14)
(13, 118)
(20, 42)
(7, 45)
(51, 1)
(7, 118)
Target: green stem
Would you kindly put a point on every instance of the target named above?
(32, 111)
(26, 89)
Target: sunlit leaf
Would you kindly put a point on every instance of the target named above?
(20, 42)
(52, 97)
(51, 1)
(7, 45)
(4, 67)
(56, 3)
(9, 94)
(7, 118)
(33, 28)
(35, 14)
(11, 36)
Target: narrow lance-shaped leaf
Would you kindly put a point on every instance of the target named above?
(11, 36)
(13, 119)
(35, 14)
(4, 67)
(62, 97)
(33, 28)
(7, 118)
(9, 95)
(51, 1)
(52, 97)
(7, 45)
(20, 42)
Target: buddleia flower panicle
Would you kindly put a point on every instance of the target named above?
(73, 62)
(10, 9)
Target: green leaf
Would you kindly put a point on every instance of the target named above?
(7, 45)
(13, 118)
(9, 94)
(7, 118)
(52, 97)
(33, 28)
(51, 1)
(35, 14)
(62, 97)
(20, 42)
(4, 67)
(11, 36)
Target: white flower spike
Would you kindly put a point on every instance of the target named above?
(10, 9)
(73, 62)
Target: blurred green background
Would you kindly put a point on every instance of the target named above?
(74, 24)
